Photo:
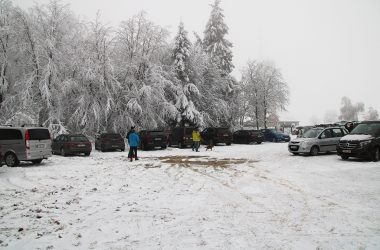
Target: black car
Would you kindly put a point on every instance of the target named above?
(212, 136)
(181, 136)
(150, 139)
(109, 141)
(362, 142)
(248, 136)
(70, 144)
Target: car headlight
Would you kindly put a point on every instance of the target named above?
(364, 143)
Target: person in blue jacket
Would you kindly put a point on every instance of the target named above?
(133, 140)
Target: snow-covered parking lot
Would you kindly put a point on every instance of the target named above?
(234, 197)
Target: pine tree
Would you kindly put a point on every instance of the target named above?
(187, 113)
(181, 53)
(215, 43)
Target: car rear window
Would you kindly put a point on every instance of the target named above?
(112, 136)
(78, 138)
(156, 132)
(10, 134)
(223, 130)
(39, 134)
(189, 131)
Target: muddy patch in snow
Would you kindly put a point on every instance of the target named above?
(203, 161)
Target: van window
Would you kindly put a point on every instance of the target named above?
(39, 134)
(10, 134)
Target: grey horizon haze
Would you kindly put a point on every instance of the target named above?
(325, 49)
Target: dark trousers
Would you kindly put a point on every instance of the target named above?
(132, 152)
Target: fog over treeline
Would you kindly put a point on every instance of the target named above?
(87, 77)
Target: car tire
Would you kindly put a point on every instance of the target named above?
(11, 160)
(163, 147)
(228, 143)
(259, 142)
(180, 145)
(295, 153)
(274, 140)
(344, 157)
(87, 154)
(63, 152)
(314, 151)
(376, 154)
(102, 149)
(38, 161)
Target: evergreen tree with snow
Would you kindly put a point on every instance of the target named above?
(187, 113)
(215, 43)
(181, 53)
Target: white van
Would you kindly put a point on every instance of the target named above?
(24, 144)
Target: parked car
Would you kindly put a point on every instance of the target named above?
(274, 136)
(109, 141)
(24, 144)
(71, 144)
(181, 136)
(317, 140)
(150, 139)
(213, 135)
(248, 136)
(362, 142)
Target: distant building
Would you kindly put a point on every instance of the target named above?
(287, 126)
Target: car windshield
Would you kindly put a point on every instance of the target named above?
(366, 129)
(312, 133)
(79, 138)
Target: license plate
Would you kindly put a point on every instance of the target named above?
(346, 151)
(114, 146)
(40, 146)
(157, 139)
(81, 145)
(293, 147)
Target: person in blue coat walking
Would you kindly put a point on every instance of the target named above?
(133, 141)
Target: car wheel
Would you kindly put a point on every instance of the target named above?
(228, 143)
(274, 140)
(376, 154)
(259, 142)
(344, 157)
(180, 145)
(102, 149)
(295, 153)
(63, 152)
(38, 161)
(11, 160)
(314, 151)
(86, 154)
(163, 147)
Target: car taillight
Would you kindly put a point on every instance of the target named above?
(27, 139)
(88, 144)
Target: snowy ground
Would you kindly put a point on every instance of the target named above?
(234, 197)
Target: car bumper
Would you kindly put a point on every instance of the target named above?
(113, 146)
(296, 148)
(356, 152)
(38, 155)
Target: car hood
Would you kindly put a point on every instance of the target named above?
(356, 137)
(302, 139)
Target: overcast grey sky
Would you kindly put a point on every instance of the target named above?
(325, 49)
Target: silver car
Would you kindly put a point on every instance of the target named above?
(24, 144)
(317, 140)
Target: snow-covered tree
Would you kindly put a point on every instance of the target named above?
(371, 114)
(349, 111)
(215, 42)
(186, 91)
